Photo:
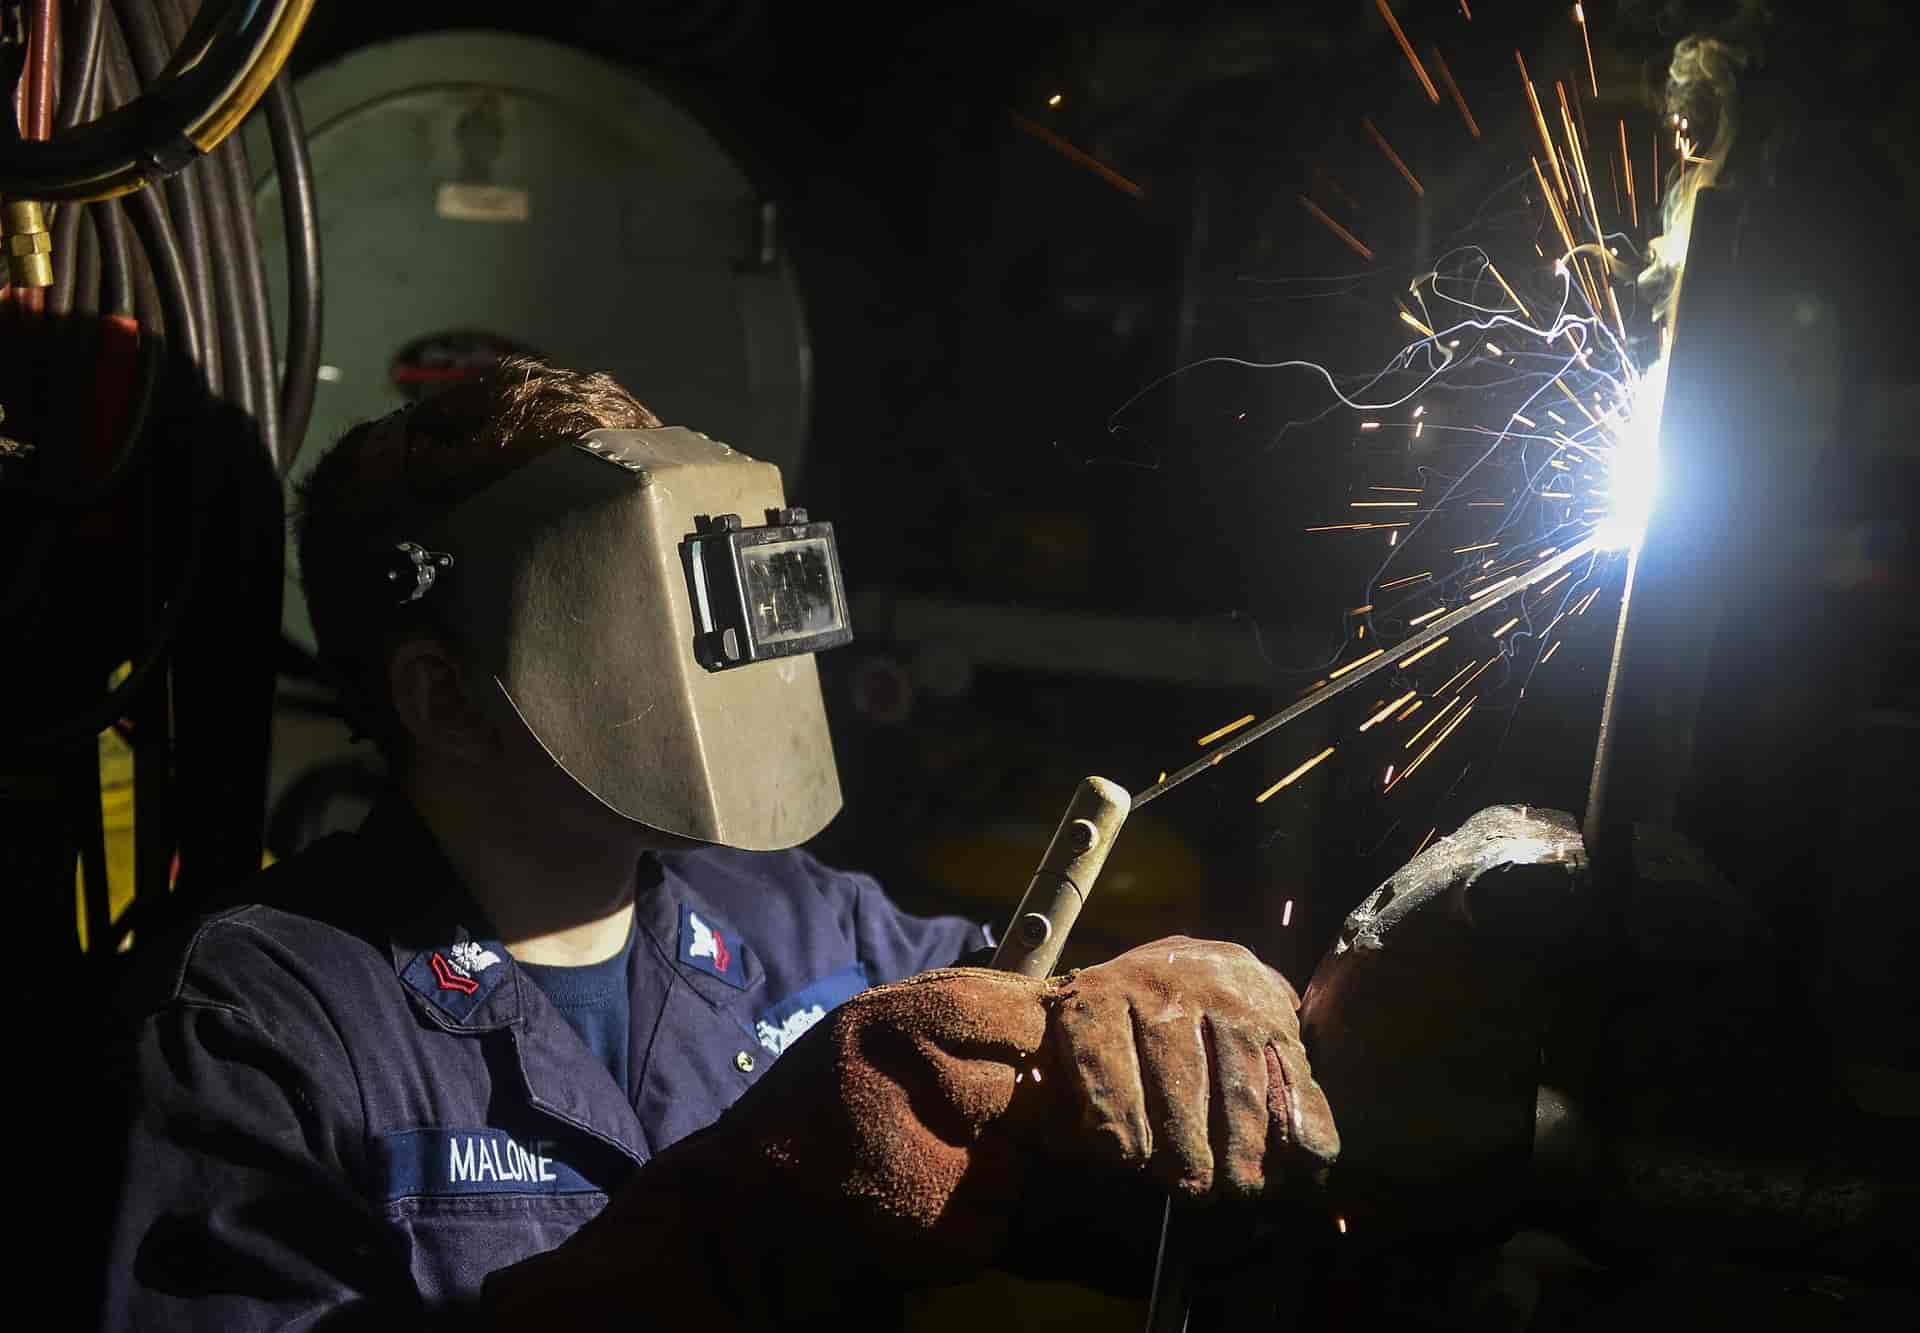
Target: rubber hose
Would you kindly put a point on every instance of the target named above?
(294, 167)
(146, 45)
(168, 267)
(80, 81)
(252, 270)
(207, 181)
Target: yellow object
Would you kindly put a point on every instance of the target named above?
(116, 818)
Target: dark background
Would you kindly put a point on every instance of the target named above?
(986, 315)
(982, 308)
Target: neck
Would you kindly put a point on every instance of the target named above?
(558, 893)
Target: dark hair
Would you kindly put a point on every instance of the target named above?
(390, 477)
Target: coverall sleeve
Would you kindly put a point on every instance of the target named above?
(892, 944)
(238, 1208)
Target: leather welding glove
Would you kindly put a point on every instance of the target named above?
(893, 1144)
(887, 1146)
(1182, 1058)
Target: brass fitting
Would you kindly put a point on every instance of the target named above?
(29, 244)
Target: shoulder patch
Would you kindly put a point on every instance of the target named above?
(711, 947)
(457, 977)
(789, 1019)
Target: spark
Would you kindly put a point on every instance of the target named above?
(1418, 704)
(1380, 140)
(1387, 711)
(1512, 295)
(1341, 1222)
(1431, 723)
(1078, 157)
(1426, 616)
(1438, 741)
(1424, 841)
(1286, 913)
(1338, 672)
(1627, 159)
(1352, 241)
(1361, 610)
(1411, 578)
(1476, 675)
(1504, 628)
(1453, 90)
(1424, 651)
(1227, 730)
(1369, 425)
(1420, 71)
(1524, 421)
(1388, 779)
(1551, 651)
(1580, 17)
(1354, 527)
(1468, 550)
(1383, 504)
(1054, 100)
(1455, 676)
(1404, 490)
(1546, 137)
(1495, 350)
(1406, 316)
(1294, 776)
(1491, 587)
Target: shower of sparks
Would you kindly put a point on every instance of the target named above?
(1406, 47)
(1540, 474)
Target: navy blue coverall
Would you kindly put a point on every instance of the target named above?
(350, 1104)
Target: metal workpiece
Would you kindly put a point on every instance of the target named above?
(29, 243)
(1425, 1019)
(1065, 879)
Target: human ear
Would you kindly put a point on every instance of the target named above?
(431, 697)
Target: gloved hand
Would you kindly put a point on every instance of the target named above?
(894, 1142)
(888, 1145)
(1183, 1057)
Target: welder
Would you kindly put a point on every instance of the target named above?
(571, 1027)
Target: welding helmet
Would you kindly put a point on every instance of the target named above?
(648, 606)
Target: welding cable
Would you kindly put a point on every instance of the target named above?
(168, 267)
(301, 217)
(80, 80)
(252, 266)
(147, 45)
(173, 122)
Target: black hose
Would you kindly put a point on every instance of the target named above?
(116, 261)
(147, 45)
(168, 267)
(294, 167)
(66, 238)
(236, 177)
(85, 264)
(135, 144)
(205, 181)
(80, 80)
